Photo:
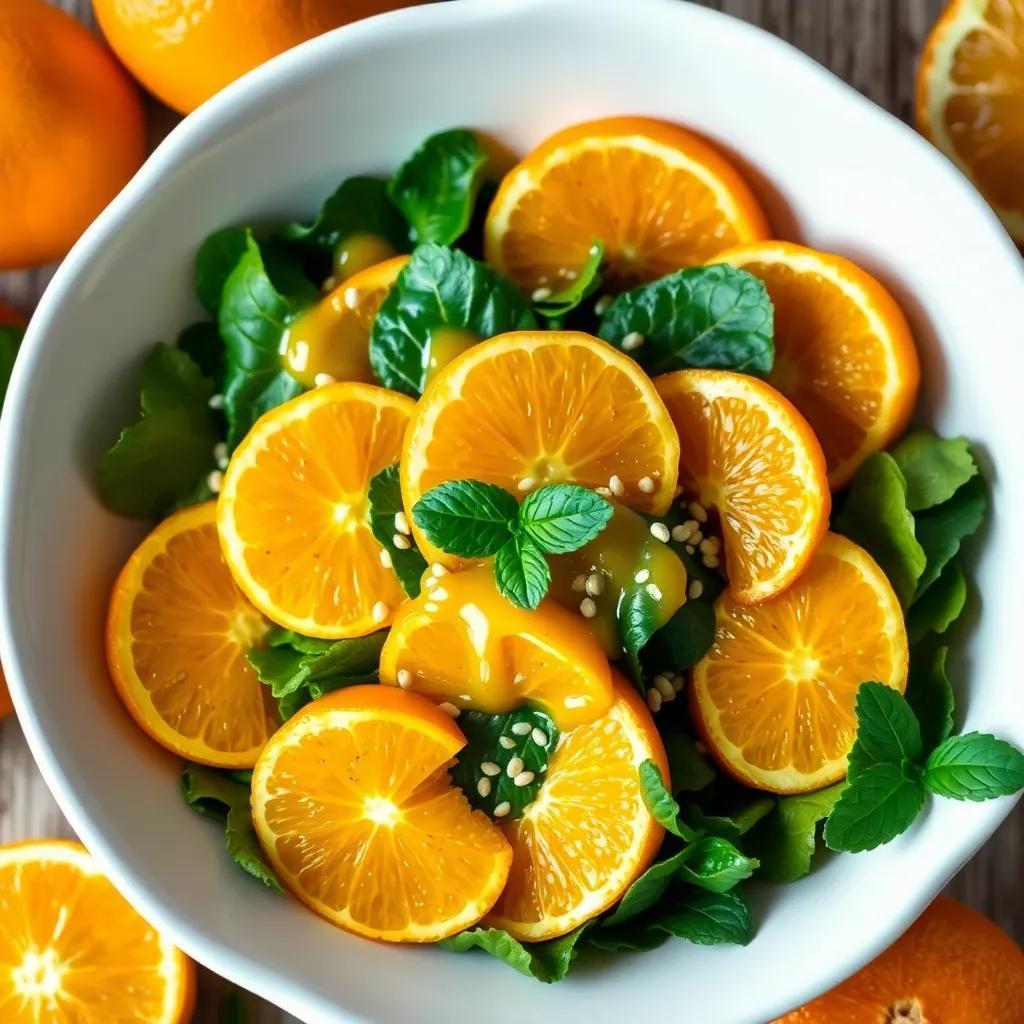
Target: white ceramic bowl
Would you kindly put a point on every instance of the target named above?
(833, 170)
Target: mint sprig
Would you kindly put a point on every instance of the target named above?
(472, 519)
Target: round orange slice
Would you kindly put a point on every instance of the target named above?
(460, 642)
(588, 835)
(748, 453)
(354, 808)
(178, 630)
(774, 697)
(537, 407)
(970, 99)
(72, 951)
(293, 512)
(659, 197)
(844, 354)
(331, 340)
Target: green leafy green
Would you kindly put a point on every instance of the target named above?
(202, 343)
(216, 258)
(561, 518)
(436, 188)
(583, 284)
(215, 793)
(715, 864)
(163, 459)
(940, 605)
(732, 825)
(941, 529)
(974, 766)
(544, 961)
(638, 617)
(439, 290)
(10, 341)
(714, 317)
(467, 518)
(385, 494)
(934, 468)
(662, 804)
(887, 731)
(646, 891)
(521, 572)
(689, 769)
(930, 694)
(882, 803)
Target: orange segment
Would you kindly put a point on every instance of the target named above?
(844, 355)
(588, 834)
(970, 99)
(537, 407)
(353, 805)
(656, 195)
(460, 641)
(178, 630)
(72, 951)
(774, 697)
(293, 512)
(749, 454)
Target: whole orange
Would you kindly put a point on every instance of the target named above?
(71, 131)
(184, 51)
(952, 967)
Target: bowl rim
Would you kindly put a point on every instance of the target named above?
(239, 99)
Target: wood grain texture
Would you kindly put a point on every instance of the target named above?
(872, 44)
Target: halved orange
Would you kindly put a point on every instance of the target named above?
(537, 407)
(354, 808)
(659, 197)
(331, 340)
(748, 453)
(970, 99)
(293, 513)
(588, 835)
(462, 643)
(178, 630)
(844, 354)
(774, 697)
(72, 951)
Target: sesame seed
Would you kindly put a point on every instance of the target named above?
(632, 341)
(616, 486)
(404, 678)
(401, 542)
(698, 511)
(540, 737)
(523, 779)
(595, 584)
(330, 283)
(351, 297)
(323, 379)
(711, 561)
(438, 594)
(430, 582)
(696, 589)
(659, 531)
(690, 549)
(216, 402)
(521, 728)
(716, 545)
(654, 700)
(642, 576)
(664, 686)
(602, 304)
(540, 294)
(507, 742)
(603, 491)
(490, 768)
(431, 607)
(483, 787)
(502, 809)
(678, 682)
(449, 709)
(220, 453)
(438, 570)
(526, 484)
(215, 481)
(587, 608)
(680, 534)
(579, 584)
(708, 546)
(401, 523)
(646, 484)
(380, 612)
(696, 537)
(654, 591)
(514, 767)
(385, 559)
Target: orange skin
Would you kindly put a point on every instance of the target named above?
(71, 131)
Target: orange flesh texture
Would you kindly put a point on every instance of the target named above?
(354, 807)
(462, 642)
(177, 634)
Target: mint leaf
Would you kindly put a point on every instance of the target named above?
(522, 572)
(586, 281)
(940, 605)
(975, 766)
(467, 518)
(561, 518)
(940, 530)
(440, 289)
(714, 317)
(436, 188)
(887, 731)
(535, 737)
(875, 516)
(930, 695)
(10, 342)
(715, 864)
(934, 468)
(690, 770)
(877, 806)
(163, 459)
(202, 343)
(661, 803)
(215, 793)
(216, 258)
(544, 961)
(385, 494)
(646, 891)
(785, 840)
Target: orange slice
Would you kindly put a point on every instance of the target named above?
(462, 643)
(353, 805)
(537, 407)
(72, 951)
(332, 338)
(293, 512)
(588, 835)
(656, 195)
(749, 454)
(844, 354)
(774, 697)
(970, 99)
(178, 629)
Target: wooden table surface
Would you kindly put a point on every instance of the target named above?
(873, 44)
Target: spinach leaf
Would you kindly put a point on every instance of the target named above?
(10, 341)
(163, 459)
(437, 187)
(646, 891)
(581, 286)
(216, 258)
(439, 289)
(930, 694)
(734, 825)
(661, 803)
(934, 468)
(715, 864)
(940, 605)
(544, 961)
(204, 346)
(385, 494)
(941, 529)
(714, 317)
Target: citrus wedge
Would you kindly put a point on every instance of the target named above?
(659, 197)
(354, 808)
(844, 354)
(178, 630)
(970, 99)
(748, 453)
(532, 408)
(72, 951)
(588, 834)
(293, 510)
(460, 642)
(774, 697)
